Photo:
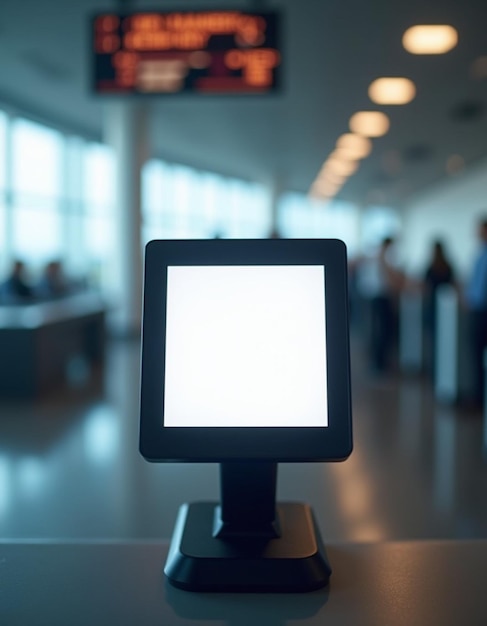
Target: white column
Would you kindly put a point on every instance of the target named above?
(125, 128)
(446, 345)
(9, 253)
(74, 252)
(411, 332)
(360, 229)
(276, 189)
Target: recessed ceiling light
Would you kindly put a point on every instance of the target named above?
(318, 200)
(328, 183)
(345, 168)
(430, 39)
(352, 146)
(320, 188)
(319, 195)
(328, 175)
(369, 123)
(392, 91)
(348, 154)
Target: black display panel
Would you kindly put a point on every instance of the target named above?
(204, 52)
(245, 351)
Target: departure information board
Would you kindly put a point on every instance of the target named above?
(207, 52)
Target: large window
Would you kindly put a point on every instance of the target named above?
(3, 150)
(75, 253)
(37, 155)
(57, 201)
(3, 212)
(378, 222)
(303, 217)
(98, 200)
(179, 202)
(37, 159)
(245, 211)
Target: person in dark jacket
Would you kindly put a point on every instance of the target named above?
(477, 303)
(439, 273)
(15, 287)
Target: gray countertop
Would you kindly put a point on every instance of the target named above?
(428, 583)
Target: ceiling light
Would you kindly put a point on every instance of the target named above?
(327, 186)
(352, 146)
(392, 91)
(345, 168)
(346, 154)
(321, 191)
(318, 199)
(317, 195)
(369, 123)
(430, 39)
(329, 175)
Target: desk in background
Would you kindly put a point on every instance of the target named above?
(47, 345)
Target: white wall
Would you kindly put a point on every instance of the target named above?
(450, 211)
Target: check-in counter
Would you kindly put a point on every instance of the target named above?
(453, 364)
(50, 345)
(411, 335)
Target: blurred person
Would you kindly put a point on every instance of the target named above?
(274, 234)
(15, 287)
(381, 282)
(477, 303)
(439, 273)
(53, 282)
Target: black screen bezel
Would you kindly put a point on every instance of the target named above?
(217, 444)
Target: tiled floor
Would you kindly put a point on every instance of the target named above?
(71, 469)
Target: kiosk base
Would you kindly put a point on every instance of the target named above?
(294, 562)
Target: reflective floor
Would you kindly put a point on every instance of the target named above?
(70, 468)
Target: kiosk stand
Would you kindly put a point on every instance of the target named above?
(247, 543)
(245, 362)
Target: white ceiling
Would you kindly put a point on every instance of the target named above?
(332, 50)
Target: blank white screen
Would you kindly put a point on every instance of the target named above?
(245, 346)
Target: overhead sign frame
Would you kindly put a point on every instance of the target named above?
(218, 52)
